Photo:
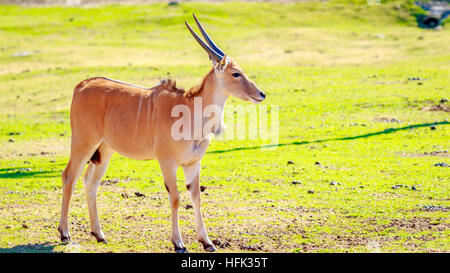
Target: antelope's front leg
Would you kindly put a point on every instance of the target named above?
(169, 172)
(192, 174)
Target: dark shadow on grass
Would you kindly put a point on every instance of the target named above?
(31, 248)
(23, 173)
(385, 131)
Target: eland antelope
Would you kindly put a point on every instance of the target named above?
(108, 116)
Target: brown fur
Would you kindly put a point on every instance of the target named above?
(167, 84)
(171, 85)
(108, 116)
(198, 88)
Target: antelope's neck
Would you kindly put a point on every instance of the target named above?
(213, 91)
(213, 100)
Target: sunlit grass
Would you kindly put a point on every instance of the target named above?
(351, 120)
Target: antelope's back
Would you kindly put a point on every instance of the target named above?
(94, 98)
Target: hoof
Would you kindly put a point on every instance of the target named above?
(64, 239)
(180, 250)
(98, 238)
(103, 241)
(210, 248)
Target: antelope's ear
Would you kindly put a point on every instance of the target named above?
(222, 65)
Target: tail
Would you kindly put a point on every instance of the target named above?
(96, 157)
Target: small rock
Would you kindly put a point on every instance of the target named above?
(109, 182)
(441, 164)
(188, 206)
(413, 188)
(251, 247)
(435, 208)
(310, 191)
(11, 140)
(317, 163)
(391, 120)
(138, 194)
(415, 79)
(296, 182)
(24, 225)
(221, 244)
(290, 162)
(433, 127)
(202, 188)
(334, 183)
(443, 100)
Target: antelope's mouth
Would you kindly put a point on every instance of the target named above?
(255, 99)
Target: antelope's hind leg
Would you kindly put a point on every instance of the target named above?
(78, 157)
(92, 178)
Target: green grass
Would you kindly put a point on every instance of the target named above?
(338, 71)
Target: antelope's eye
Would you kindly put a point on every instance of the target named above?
(236, 75)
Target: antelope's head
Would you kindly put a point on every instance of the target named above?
(231, 79)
